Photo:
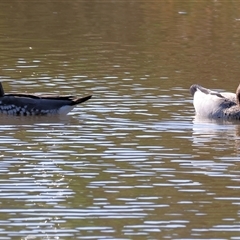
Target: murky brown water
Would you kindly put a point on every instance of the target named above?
(132, 162)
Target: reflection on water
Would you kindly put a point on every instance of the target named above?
(131, 163)
(113, 170)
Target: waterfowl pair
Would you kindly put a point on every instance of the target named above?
(31, 104)
(216, 105)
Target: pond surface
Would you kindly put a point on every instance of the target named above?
(132, 162)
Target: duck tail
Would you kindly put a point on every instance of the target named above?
(194, 88)
(81, 100)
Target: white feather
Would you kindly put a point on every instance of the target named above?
(212, 104)
(65, 109)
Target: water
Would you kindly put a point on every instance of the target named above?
(132, 162)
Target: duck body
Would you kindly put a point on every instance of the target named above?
(216, 105)
(31, 104)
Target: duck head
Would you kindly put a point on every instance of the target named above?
(1, 90)
(238, 95)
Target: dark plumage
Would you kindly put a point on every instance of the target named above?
(31, 104)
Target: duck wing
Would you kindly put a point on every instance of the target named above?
(68, 100)
(27, 104)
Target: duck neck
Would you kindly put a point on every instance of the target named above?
(1, 90)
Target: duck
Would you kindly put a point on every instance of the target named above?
(26, 104)
(214, 104)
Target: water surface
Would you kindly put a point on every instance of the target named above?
(132, 162)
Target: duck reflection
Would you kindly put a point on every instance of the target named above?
(217, 135)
